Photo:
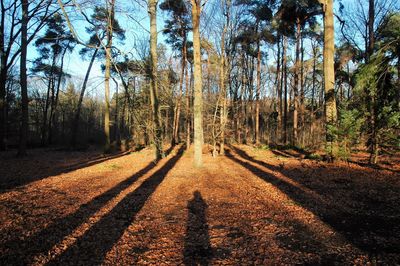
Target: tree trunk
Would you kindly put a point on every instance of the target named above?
(198, 87)
(188, 115)
(329, 76)
(296, 85)
(55, 102)
(107, 75)
(224, 112)
(154, 81)
(3, 80)
(75, 125)
(279, 91)
(302, 107)
(285, 85)
(23, 79)
(258, 93)
(175, 133)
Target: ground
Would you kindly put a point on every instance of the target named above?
(250, 207)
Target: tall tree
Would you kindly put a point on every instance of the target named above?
(52, 47)
(10, 49)
(98, 29)
(329, 75)
(198, 84)
(23, 78)
(157, 139)
(177, 29)
(107, 74)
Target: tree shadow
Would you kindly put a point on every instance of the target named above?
(370, 225)
(92, 247)
(35, 172)
(23, 250)
(197, 250)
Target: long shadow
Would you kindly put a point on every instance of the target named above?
(62, 227)
(197, 250)
(362, 227)
(92, 247)
(10, 182)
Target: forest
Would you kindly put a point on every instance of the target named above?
(200, 132)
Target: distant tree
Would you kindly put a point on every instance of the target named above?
(52, 47)
(177, 29)
(97, 31)
(255, 30)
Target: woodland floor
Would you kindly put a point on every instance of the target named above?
(250, 207)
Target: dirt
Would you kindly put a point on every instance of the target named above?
(250, 207)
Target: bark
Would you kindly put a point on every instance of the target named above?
(107, 141)
(116, 120)
(258, 92)
(23, 79)
(75, 125)
(296, 85)
(329, 75)
(302, 108)
(198, 87)
(3, 80)
(279, 90)
(314, 79)
(224, 112)
(285, 85)
(188, 115)
(154, 81)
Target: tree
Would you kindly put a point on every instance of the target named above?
(11, 29)
(256, 31)
(52, 48)
(157, 140)
(23, 78)
(98, 31)
(177, 29)
(198, 84)
(294, 16)
(329, 75)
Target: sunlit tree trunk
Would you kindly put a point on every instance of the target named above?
(258, 92)
(198, 86)
(329, 76)
(279, 91)
(285, 86)
(296, 85)
(188, 100)
(224, 112)
(110, 8)
(157, 140)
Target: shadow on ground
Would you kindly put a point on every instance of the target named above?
(197, 250)
(91, 248)
(41, 169)
(363, 211)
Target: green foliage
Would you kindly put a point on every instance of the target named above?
(377, 90)
(348, 131)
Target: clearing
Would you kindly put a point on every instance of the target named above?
(250, 207)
